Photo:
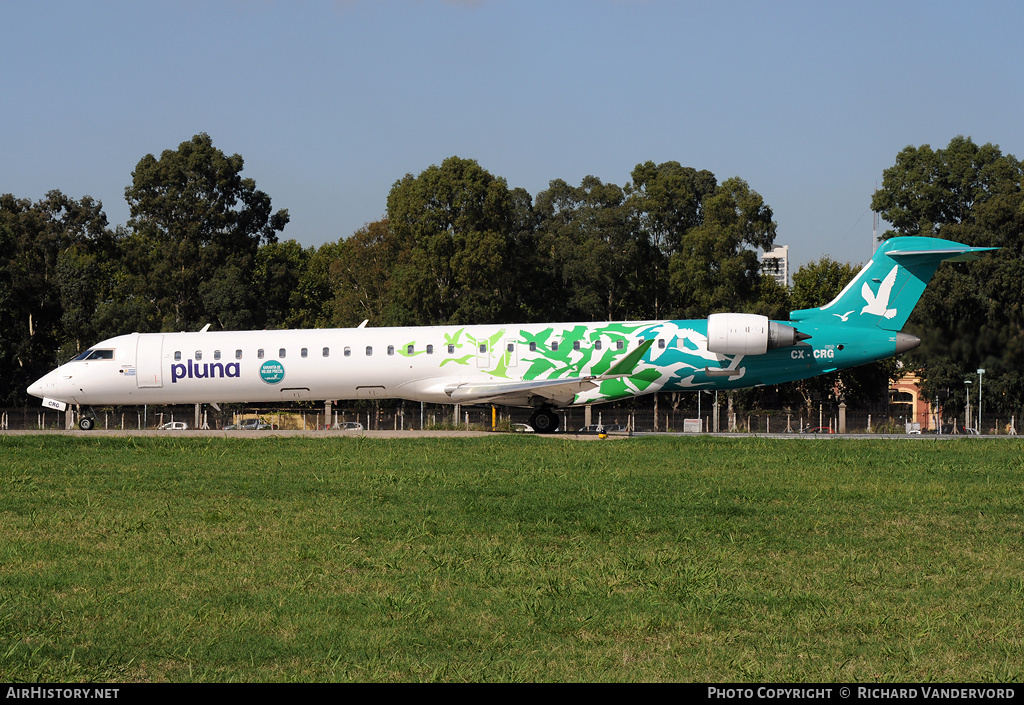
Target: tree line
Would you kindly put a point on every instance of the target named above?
(458, 245)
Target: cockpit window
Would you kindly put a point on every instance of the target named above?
(96, 355)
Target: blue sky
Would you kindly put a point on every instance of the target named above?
(330, 103)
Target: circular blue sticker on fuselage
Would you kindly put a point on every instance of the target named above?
(272, 372)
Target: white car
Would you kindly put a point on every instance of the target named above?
(174, 426)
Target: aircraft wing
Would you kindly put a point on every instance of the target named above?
(559, 391)
(556, 391)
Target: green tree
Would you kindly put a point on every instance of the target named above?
(53, 256)
(971, 316)
(361, 277)
(716, 267)
(817, 283)
(312, 305)
(667, 201)
(455, 225)
(595, 267)
(279, 268)
(198, 225)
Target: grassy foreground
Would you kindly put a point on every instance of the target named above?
(510, 558)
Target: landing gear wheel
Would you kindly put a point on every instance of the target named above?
(86, 423)
(544, 421)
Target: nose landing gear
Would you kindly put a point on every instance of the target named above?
(88, 420)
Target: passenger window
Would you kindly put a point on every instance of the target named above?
(597, 345)
(327, 352)
(281, 352)
(199, 355)
(369, 350)
(177, 355)
(430, 350)
(451, 349)
(511, 347)
(619, 344)
(238, 354)
(259, 354)
(409, 350)
(304, 352)
(348, 351)
(533, 347)
(554, 346)
(216, 354)
(575, 345)
(391, 350)
(661, 344)
(483, 347)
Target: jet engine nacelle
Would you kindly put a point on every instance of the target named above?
(748, 334)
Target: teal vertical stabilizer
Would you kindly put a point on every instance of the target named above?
(886, 290)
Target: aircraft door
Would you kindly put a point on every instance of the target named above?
(149, 361)
(483, 354)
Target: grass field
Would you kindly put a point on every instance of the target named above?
(510, 558)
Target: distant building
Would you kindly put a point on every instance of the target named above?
(905, 398)
(776, 264)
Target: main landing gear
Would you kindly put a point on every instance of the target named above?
(544, 420)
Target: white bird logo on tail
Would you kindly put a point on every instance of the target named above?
(878, 304)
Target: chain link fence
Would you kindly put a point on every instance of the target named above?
(639, 415)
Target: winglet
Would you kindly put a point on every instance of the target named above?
(625, 366)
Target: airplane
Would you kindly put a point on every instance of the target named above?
(544, 366)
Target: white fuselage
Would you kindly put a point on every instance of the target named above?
(420, 364)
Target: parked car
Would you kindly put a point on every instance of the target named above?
(249, 425)
(349, 426)
(601, 428)
(174, 426)
(818, 429)
(522, 428)
(949, 430)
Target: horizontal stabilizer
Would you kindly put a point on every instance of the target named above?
(952, 254)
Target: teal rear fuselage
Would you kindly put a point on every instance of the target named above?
(679, 360)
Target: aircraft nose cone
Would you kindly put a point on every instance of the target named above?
(45, 386)
(38, 388)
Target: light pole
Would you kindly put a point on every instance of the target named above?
(980, 373)
(701, 392)
(967, 413)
